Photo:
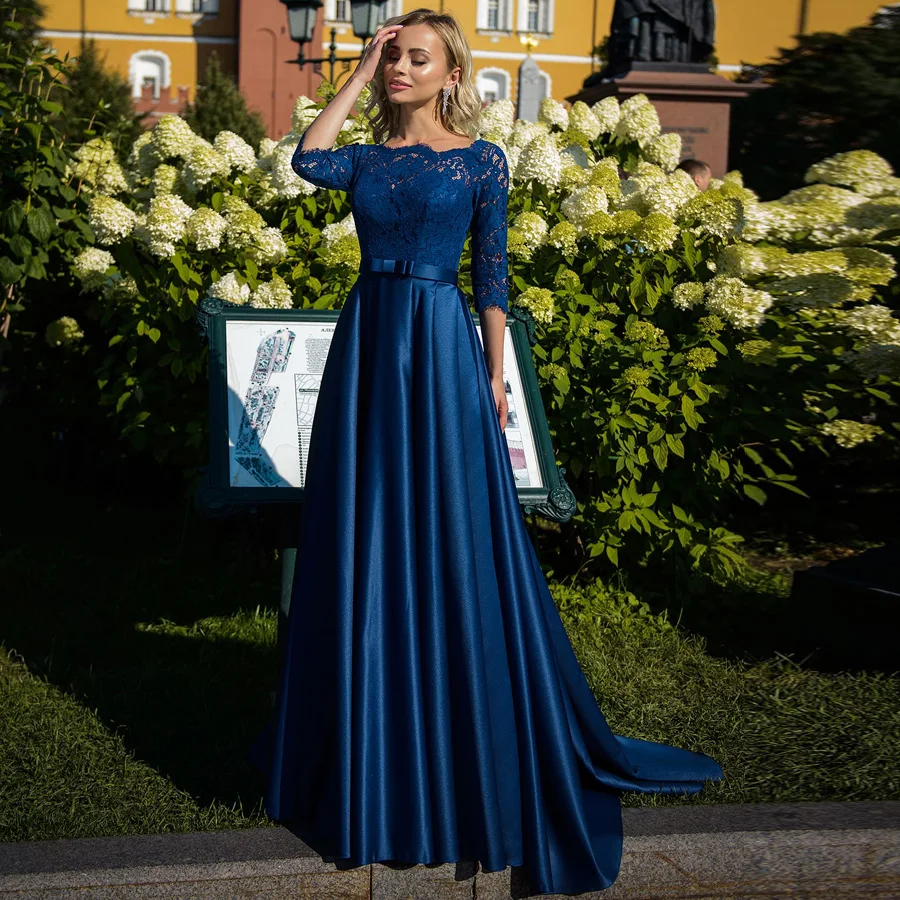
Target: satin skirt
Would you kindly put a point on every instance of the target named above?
(430, 707)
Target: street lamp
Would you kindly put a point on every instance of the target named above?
(365, 17)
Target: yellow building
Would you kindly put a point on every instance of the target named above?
(161, 46)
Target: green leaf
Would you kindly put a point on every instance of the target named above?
(122, 400)
(680, 514)
(41, 224)
(689, 412)
(628, 520)
(10, 273)
(675, 445)
(753, 455)
(755, 493)
(660, 456)
(656, 434)
(154, 334)
(115, 340)
(13, 216)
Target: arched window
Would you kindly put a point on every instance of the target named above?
(494, 15)
(149, 67)
(536, 16)
(492, 84)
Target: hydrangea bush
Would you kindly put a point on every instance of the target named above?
(690, 346)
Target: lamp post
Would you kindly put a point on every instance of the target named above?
(365, 17)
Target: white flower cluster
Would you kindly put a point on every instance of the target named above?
(540, 161)
(850, 169)
(728, 298)
(539, 302)
(243, 224)
(274, 294)
(498, 118)
(266, 149)
(665, 151)
(583, 203)
(90, 267)
(172, 137)
(143, 160)
(205, 228)
(608, 113)
(164, 224)
(97, 166)
(229, 289)
(584, 126)
(204, 163)
(872, 324)
(553, 113)
(268, 247)
(533, 229)
(110, 220)
(848, 433)
(236, 151)
(340, 243)
(638, 120)
(63, 332)
(165, 180)
(303, 114)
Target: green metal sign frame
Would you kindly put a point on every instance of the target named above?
(553, 499)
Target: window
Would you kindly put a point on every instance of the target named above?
(196, 7)
(149, 68)
(494, 15)
(492, 84)
(536, 16)
(148, 6)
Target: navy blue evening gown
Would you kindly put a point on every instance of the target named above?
(430, 707)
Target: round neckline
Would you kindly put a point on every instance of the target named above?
(422, 144)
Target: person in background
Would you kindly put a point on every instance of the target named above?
(698, 170)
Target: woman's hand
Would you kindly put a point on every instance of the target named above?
(498, 386)
(372, 54)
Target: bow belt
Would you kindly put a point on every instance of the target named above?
(410, 267)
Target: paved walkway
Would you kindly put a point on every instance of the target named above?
(813, 851)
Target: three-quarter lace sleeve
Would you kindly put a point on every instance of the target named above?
(327, 168)
(490, 268)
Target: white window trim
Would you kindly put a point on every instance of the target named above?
(504, 75)
(137, 8)
(184, 9)
(506, 18)
(522, 20)
(133, 75)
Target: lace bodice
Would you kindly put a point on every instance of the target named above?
(418, 203)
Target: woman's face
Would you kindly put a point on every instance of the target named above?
(415, 60)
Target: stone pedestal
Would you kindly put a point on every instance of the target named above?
(690, 100)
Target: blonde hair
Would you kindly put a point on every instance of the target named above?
(464, 102)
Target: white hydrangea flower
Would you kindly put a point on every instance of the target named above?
(335, 231)
(236, 151)
(172, 136)
(848, 433)
(499, 116)
(268, 247)
(96, 164)
(525, 131)
(303, 114)
(583, 124)
(63, 331)
(243, 224)
(665, 151)
(90, 267)
(872, 324)
(553, 113)
(735, 302)
(608, 113)
(657, 232)
(266, 149)
(539, 302)
(533, 228)
(205, 228)
(873, 360)
(638, 120)
(274, 294)
(688, 294)
(164, 224)
(110, 220)
(666, 195)
(204, 163)
(143, 160)
(584, 202)
(849, 169)
(165, 179)
(748, 261)
(540, 161)
(818, 290)
(229, 289)
(284, 179)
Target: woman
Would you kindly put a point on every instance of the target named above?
(430, 707)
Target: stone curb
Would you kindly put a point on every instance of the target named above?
(808, 851)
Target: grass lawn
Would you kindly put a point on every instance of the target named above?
(137, 657)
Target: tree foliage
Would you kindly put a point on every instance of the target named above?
(98, 102)
(220, 106)
(828, 94)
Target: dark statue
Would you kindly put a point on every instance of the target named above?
(660, 31)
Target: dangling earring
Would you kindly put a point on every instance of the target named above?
(446, 97)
